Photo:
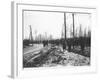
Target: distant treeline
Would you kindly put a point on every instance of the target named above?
(76, 41)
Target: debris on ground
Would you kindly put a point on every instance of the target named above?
(54, 56)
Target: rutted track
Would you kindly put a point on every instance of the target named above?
(36, 59)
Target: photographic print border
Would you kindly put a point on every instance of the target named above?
(16, 72)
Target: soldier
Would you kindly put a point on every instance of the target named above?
(45, 43)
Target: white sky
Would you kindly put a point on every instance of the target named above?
(52, 22)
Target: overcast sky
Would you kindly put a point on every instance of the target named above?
(52, 23)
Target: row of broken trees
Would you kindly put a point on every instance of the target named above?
(69, 43)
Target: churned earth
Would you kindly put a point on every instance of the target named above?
(39, 56)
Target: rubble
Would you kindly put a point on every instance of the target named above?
(54, 56)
